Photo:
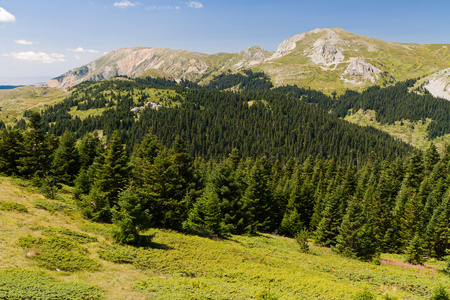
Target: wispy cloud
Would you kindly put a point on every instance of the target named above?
(82, 50)
(38, 56)
(162, 7)
(23, 42)
(194, 4)
(124, 4)
(6, 16)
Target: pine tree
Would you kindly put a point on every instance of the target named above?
(431, 157)
(356, 238)
(66, 159)
(414, 253)
(89, 149)
(131, 217)
(291, 223)
(111, 177)
(37, 149)
(438, 230)
(11, 150)
(328, 228)
(205, 218)
(160, 187)
(258, 198)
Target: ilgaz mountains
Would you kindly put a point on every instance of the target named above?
(323, 59)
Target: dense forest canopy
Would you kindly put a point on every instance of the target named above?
(393, 103)
(214, 122)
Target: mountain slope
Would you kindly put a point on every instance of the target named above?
(161, 62)
(337, 59)
(326, 59)
(178, 266)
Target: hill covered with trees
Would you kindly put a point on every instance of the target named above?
(221, 164)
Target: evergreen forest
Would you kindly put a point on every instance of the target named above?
(221, 163)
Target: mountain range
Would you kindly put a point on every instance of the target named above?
(324, 59)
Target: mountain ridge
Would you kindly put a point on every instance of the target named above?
(325, 59)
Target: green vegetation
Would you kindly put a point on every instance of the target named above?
(14, 102)
(57, 253)
(5, 205)
(178, 266)
(145, 215)
(25, 284)
(294, 128)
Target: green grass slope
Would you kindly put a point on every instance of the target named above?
(14, 102)
(398, 61)
(48, 251)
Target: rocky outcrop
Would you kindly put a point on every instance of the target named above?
(438, 84)
(250, 57)
(287, 46)
(326, 54)
(359, 71)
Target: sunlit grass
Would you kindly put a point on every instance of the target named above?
(413, 133)
(178, 266)
(14, 102)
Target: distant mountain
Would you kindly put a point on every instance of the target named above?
(325, 59)
(161, 62)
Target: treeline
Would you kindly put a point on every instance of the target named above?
(212, 123)
(248, 81)
(393, 103)
(400, 205)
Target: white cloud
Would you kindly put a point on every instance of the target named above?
(23, 42)
(162, 7)
(82, 50)
(38, 56)
(124, 4)
(6, 16)
(194, 4)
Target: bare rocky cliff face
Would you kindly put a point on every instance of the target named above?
(438, 84)
(360, 70)
(326, 54)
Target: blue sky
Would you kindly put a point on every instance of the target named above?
(45, 38)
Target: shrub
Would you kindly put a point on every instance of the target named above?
(56, 253)
(18, 284)
(364, 295)
(53, 206)
(124, 254)
(4, 205)
(78, 237)
(302, 240)
(440, 293)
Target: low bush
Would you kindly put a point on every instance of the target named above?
(4, 205)
(78, 237)
(56, 253)
(18, 284)
(53, 206)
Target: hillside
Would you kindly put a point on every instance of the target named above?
(177, 266)
(214, 122)
(330, 59)
(325, 59)
(14, 102)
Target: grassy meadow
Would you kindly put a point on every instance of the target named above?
(413, 133)
(14, 102)
(48, 250)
